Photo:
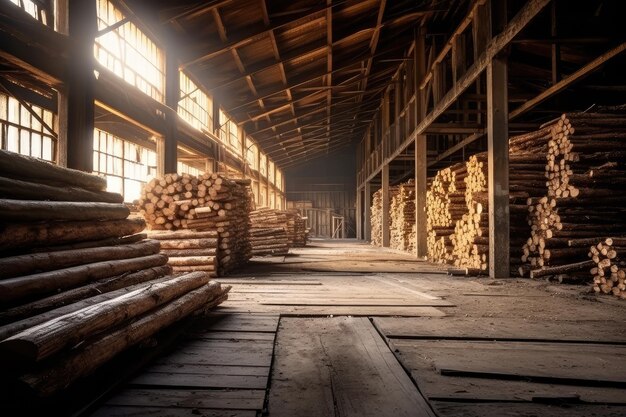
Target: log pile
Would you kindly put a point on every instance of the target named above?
(209, 202)
(188, 250)
(402, 212)
(268, 232)
(79, 282)
(457, 211)
(301, 233)
(376, 217)
(583, 196)
(609, 270)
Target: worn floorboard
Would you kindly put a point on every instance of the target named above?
(339, 367)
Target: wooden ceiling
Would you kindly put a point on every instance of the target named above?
(301, 77)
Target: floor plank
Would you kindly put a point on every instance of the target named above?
(456, 409)
(124, 411)
(497, 328)
(181, 398)
(339, 366)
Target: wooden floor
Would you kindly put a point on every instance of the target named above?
(343, 329)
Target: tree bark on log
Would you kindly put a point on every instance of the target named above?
(24, 190)
(39, 312)
(86, 360)
(21, 166)
(13, 290)
(46, 261)
(92, 290)
(29, 210)
(48, 338)
(19, 235)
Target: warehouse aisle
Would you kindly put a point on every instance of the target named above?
(340, 328)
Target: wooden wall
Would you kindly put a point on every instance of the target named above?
(329, 184)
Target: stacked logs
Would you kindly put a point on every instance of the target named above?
(209, 202)
(402, 212)
(79, 283)
(268, 232)
(609, 271)
(300, 231)
(376, 218)
(188, 250)
(440, 215)
(457, 210)
(583, 196)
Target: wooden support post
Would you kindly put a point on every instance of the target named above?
(359, 214)
(385, 209)
(556, 47)
(76, 102)
(421, 162)
(498, 150)
(367, 224)
(172, 95)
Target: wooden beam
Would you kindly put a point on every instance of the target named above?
(172, 94)
(468, 140)
(246, 38)
(498, 156)
(569, 80)
(420, 153)
(367, 223)
(385, 206)
(521, 19)
(79, 110)
(201, 8)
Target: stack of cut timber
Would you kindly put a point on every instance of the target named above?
(210, 202)
(402, 212)
(441, 214)
(268, 232)
(79, 283)
(376, 214)
(300, 232)
(583, 197)
(188, 250)
(457, 210)
(376, 218)
(609, 271)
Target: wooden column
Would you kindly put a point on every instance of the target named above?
(498, 149)
(367, 223)
(359, 214)
(172, 96)
(76, 101)
(385, 212)
(421, 162)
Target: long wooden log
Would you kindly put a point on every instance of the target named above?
(20, 166)
(47, 261)
(19, 235)
(111, 241)
(48, 338)
(84, 361)
(183, 234)
(47, 312)
(192, 260)
(17, 289)
(561, 269)
(29, 210)
(172, 253)
(102, 286)
(18, 189)
(212, 269)
(189, 244)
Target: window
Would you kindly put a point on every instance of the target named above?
(184, 168)
(252, 154)
(272, 199)
(195, 107)
(129, 53)
(234, 139)
(40, 9)
(279, 180)
(127, 166)
(262, 201)
(23, 133)
(270, 173)
(262, 164)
